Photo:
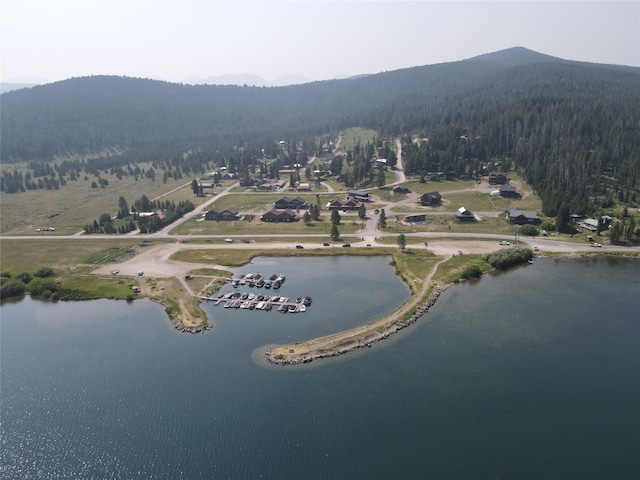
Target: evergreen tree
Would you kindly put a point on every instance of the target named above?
(402, 241)
(335, 233)
(382, 220)
(362, 211)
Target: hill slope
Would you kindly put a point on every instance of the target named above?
(567, 125)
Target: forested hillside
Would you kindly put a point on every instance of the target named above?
(572, 129)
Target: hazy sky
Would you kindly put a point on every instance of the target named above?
(172, 40)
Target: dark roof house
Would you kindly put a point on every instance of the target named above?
(464, 215)
(359, 195)
(400, 189)
(430, 199)
(289, 202)
(415, 218)
(217, 213)
(275, 215)
(497, 178)
(521, 217)
(348, 204)
(508, 191)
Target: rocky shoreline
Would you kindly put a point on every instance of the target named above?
(180, 326)
(365, 342)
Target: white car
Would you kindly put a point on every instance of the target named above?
(596, 245)
(504, 243)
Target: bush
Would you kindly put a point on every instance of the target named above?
(508, 257)
(43, 272)
(472, 271)
(12, 288)
(5, 274)
(38, 286)
(529, 230)
(548, 225)
(24, 277)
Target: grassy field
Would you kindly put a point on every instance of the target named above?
(78, 203)
(348, 225)
(72, 262)
(64, 255)
(352, 136)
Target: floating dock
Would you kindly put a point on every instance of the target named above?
(253, 301)
(282, 304)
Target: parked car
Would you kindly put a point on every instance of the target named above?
(596, 245)
(140, 273)
(325, 244)
(346, 245)
(504, 243)
(299, 246)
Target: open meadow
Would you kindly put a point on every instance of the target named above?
(77, 203)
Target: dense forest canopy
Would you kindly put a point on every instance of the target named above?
(570, 128)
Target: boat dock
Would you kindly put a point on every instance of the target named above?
(282, 304)
(256, 301)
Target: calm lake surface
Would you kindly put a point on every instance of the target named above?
(532, 374)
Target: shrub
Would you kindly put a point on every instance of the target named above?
(43, 272)
(5, 274)
(529, 230)
(548, 225)
(472, 271)
(508, 257)
(38, 286)
(24, 277)
(12, 288)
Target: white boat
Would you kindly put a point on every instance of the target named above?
(302, 308)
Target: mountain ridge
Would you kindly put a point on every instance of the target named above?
(91, 113)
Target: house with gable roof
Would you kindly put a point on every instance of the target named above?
(285, 203)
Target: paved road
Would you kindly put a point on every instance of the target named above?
(449, 242)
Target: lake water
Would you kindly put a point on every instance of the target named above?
(530, 374)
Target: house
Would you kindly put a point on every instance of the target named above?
(217, 213)
(497, 178)
(400, 190)
(508, 191)
(359, 195)
(521, 217)
(416, 218)
(430, 199)
(348, 204)
(275, 215)
(464, 215)
(247, 182)
(285, 203)
(592, 223)
(381, 162)
(304, 187)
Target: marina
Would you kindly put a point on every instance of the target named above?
(255, 301)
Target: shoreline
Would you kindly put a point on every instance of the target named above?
(341, 343)
(365, 338)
